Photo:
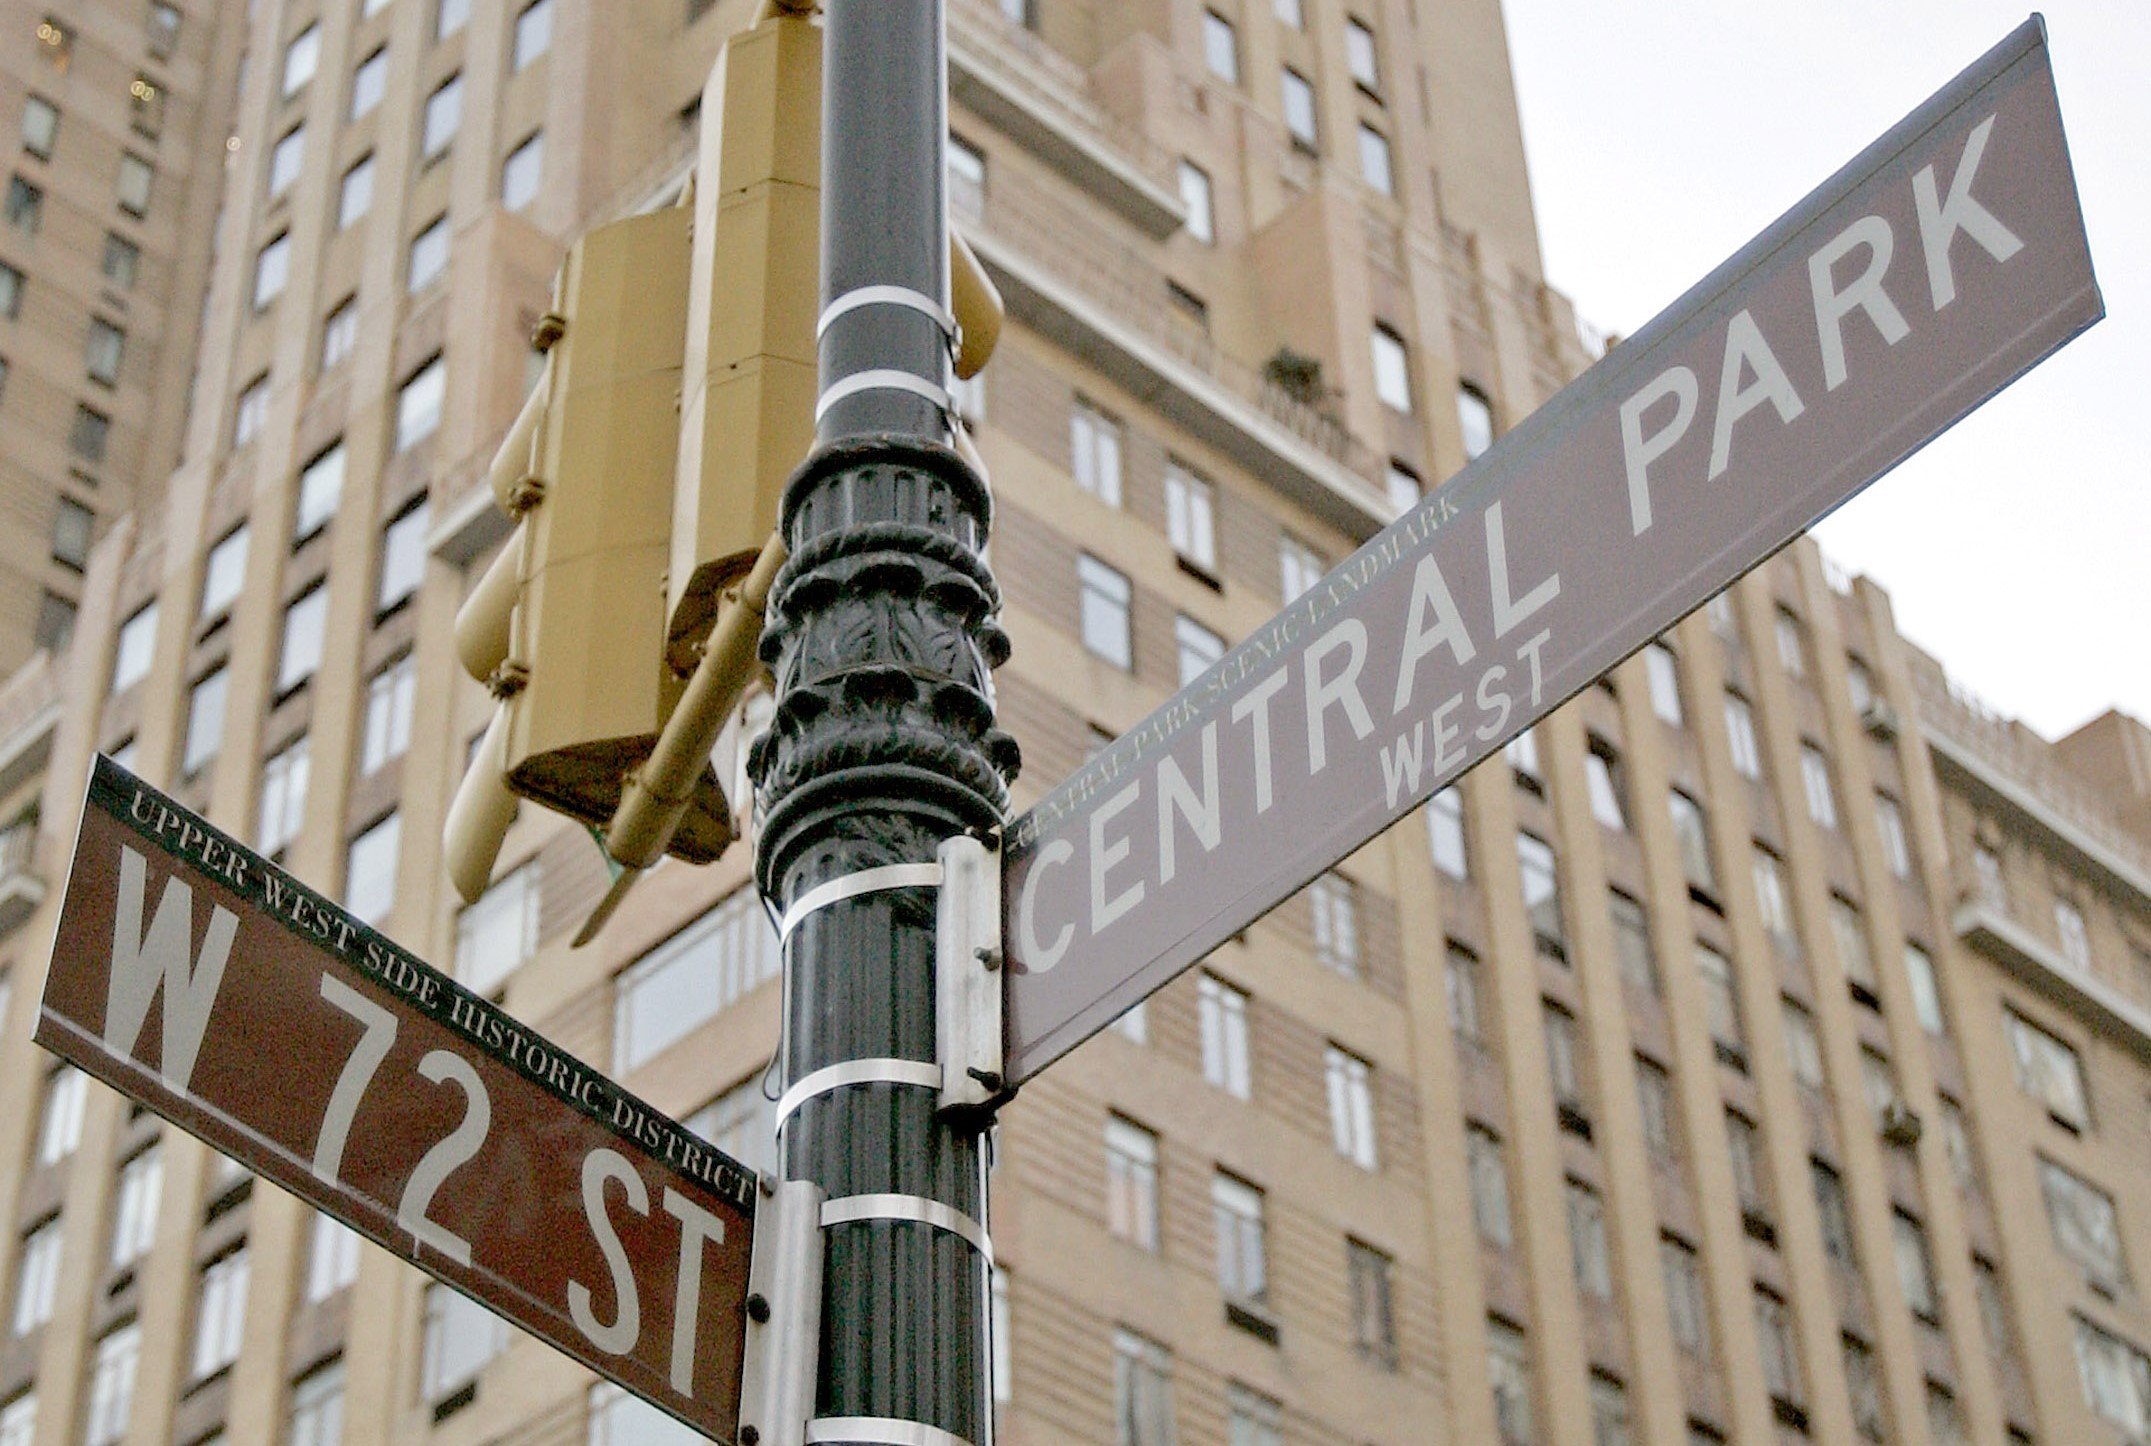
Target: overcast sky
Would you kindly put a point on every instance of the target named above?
(1663, 134)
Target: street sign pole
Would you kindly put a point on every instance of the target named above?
(881, 634)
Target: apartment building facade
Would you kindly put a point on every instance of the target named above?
(1633, 1092)
(105, 237)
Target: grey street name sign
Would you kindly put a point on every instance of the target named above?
(1941, 264)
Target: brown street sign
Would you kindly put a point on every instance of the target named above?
(1941, 264)
(202, 980)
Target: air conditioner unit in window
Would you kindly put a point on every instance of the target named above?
(1879, 718)
(1900, 1124)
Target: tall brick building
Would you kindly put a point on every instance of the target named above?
(1761, 1051)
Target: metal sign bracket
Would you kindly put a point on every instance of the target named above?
(968, 974)
(784, 1316)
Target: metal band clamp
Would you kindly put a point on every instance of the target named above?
(902, 296)
(866, 881)
(882, 1430)
(856, 1072)
(884, 380)
(852, 1209)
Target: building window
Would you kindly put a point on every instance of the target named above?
(403, 556)
(390, 694)
(55, 622)
(369, 83)
(1105, 595)
(2084, 1224)
(1848, 930)
(339, 334)
(742, 1122)
(1242, 1266)
(286, 160)
(498, 933)
(2116, 1378)
(1691, 831)
(1299, 100)
(1359, 55)
(121, 262)
(1199, 648)
(1609, 1411)
(321, 488)
(1475, 423)
(163, 30)
(1142, 1391)
(1587, 1241)
(2075, 939)
(56, 44)
(134, 1212)
(137, 178)
(370, 870)
(300, 655)
(355, 198)
(1252, 1419)
(1803, 1047)
(691, 977)
(72, 527)
(1094, 444)
(25, 205)
(145, 105)
(429, 256)
(1662, 670)
(1602, 776)
(112, 1386)
(220, 1315)
(59, 1131)
(1131, 1182)
(1333, 903)
(1772, 900)
(1351, 1107)
(1374, 162)
(1863, 1381)
(317, 1406)
(91, 434)
(1299, 567)
(1445, 833)
(1915, 1266)
(1561, 1066)
(1993, 1309)
(11, 284)
(302, 57)
(444, 115)
(137, 644)
(461, 1339)
(1542, 894)
(272, 270)
(451, 17)
(1744, 1147)
(1508, 1368)
(332, 1258)
(37, 1275)
(283, 795)
(1489, 1175)
(251, 413)
(1685, 1307)
(966, 180)
(40, 127)
(418, 404)
(1220, 47)
(1740, 737)
(1191, 517)
(533, 34)
(1290, 13)
(205, 722)
(1392, 374)
(1896, 845)
(1369, 1273)
(521, 173)
(1632, 942)
(1773, 1333)
(1196, 195)
(224, 573)
(1225, 1053)
(1957, 1144)
(1406, 491)
(1654, 1100)
(1815, 779)
(2049, 1071)
(1833, 1214)
(1792, 644)
(1462, 971)
(1879, 1081)
(1926, 992)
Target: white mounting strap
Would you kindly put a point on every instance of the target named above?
(851, 886)
(856, 1072)
(902, 296)
(885, 379)
(917, 1209)
(880, 1430)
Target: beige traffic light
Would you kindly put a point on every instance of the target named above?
(567, 627)
(749, 375)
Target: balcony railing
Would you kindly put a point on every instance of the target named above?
(2001, 747)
